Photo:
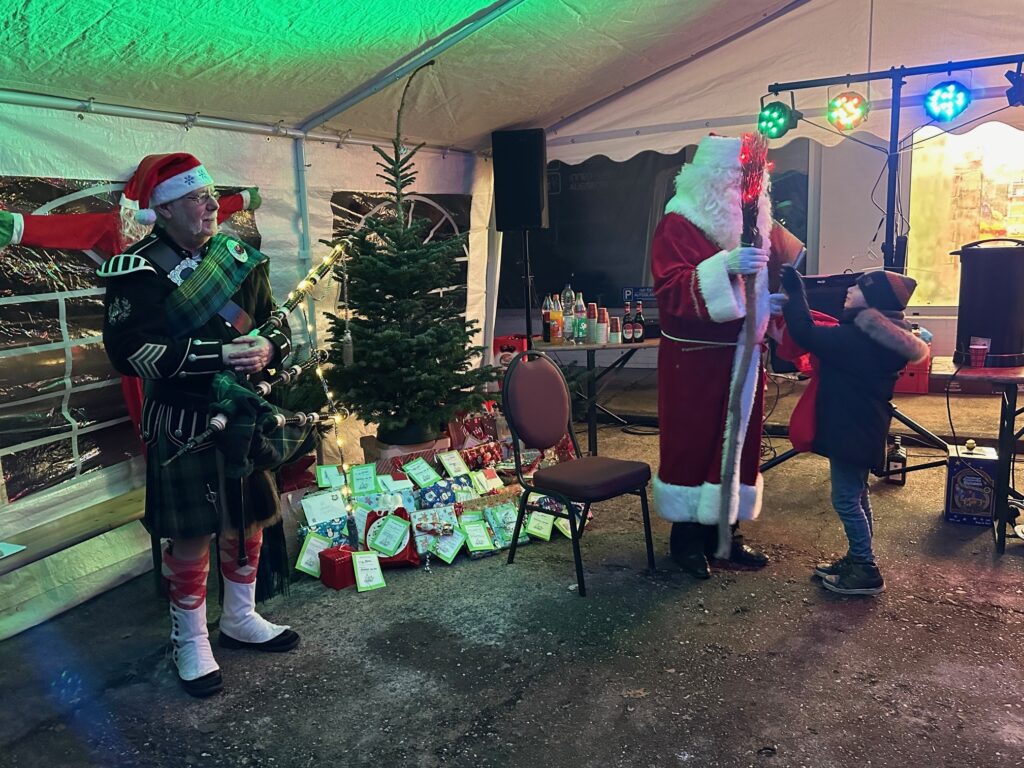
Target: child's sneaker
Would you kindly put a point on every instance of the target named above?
(831, 569)
(856, 579)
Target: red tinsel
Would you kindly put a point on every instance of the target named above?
(754, 164)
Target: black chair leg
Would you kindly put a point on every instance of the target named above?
(581, 586)
(519, 526)
(647, 527)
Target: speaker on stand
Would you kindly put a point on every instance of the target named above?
(521, 196)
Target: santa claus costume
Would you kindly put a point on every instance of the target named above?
(702, 309)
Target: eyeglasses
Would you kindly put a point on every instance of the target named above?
(203, 199)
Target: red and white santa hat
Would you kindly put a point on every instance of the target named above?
(160, 179)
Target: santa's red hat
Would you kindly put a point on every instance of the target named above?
(160, 179)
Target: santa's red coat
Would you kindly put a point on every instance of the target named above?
(701, 309)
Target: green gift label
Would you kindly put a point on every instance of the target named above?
(421, 473)
(453, 463)
(477, 537)
(539, 524)
(447, 547)
(388, 534)
(364, 480)
(366, 566)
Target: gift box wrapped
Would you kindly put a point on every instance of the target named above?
(340, 530)
(388, 465)
(483, 455)
(502, 521)
(406, 554)
(429, 524)
(445, 493)
(336, 567)
(467, 430)
(510, 493)
(384, 502)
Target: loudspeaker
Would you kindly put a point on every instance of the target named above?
(827, 293)
(520, 179)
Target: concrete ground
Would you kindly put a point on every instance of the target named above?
(484, 664)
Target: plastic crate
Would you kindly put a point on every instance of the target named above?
(914, 378)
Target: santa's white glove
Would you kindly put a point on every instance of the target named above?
(744, 260)
(776, 301)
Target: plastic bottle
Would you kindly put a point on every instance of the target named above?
(627, 326)
(557, 320)
(568, 298)
(579, 311)
(545, 314)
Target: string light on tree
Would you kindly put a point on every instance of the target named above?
(848, 110)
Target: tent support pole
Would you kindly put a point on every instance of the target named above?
(302, 201)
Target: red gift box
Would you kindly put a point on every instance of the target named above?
(480, 456)
(336, 567)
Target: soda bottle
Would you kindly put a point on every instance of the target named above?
(580, 311)
(557, 320)
(568, 297)
(545, 315)
(627, 326)
(638, 323)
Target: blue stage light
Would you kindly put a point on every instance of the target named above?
(946, 100)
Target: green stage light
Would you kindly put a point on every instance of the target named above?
(848, 110)
(777, 119)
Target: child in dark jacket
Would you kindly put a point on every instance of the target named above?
(860, 360)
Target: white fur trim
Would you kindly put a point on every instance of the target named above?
(722, 295)
(180, 185)
(701, 503)
(18, 222)
(245, 199)
(127, 202)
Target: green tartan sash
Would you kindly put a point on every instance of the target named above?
(202, 294)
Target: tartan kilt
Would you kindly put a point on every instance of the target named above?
(177, 503)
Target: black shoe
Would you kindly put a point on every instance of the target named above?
(746, 556)
(740, 554)
(204, 686)
(831, 569)
(856, 579)
(283, 642)
(686, 547)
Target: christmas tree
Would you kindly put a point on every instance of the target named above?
(412, 364)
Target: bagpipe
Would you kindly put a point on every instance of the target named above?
(243, 389)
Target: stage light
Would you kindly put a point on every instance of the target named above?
(777, 119)
(848, 110)
(946, 101)
(1015, 93)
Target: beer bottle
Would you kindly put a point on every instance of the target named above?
(638, 324)
(627, 326)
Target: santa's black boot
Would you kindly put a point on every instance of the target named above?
(744, 555)
(686, 547)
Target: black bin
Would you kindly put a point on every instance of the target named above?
(991, 301)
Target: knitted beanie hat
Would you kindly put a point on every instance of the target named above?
(886, 290)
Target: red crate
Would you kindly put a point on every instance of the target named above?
(914, 378)
(336, 567)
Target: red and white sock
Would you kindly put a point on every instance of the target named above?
(186, 579)
(240, 574)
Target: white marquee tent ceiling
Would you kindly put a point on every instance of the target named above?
(661, 72)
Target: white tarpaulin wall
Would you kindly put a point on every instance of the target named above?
(721, 90)
(43, 143)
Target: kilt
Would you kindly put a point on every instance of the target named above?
(190, 497)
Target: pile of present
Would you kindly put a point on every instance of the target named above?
(431, 504)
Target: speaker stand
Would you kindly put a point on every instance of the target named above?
(527, 289)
